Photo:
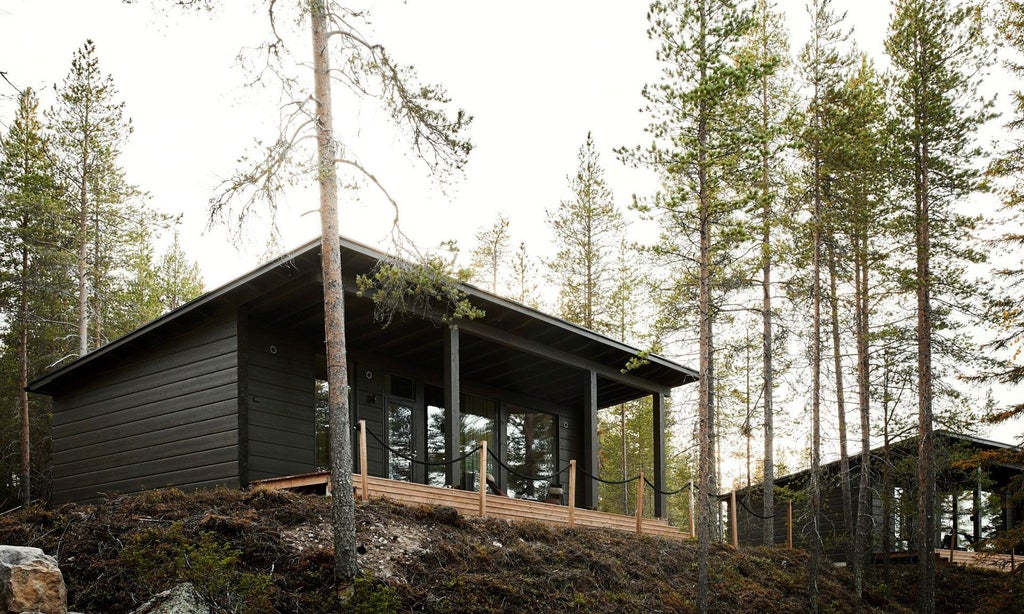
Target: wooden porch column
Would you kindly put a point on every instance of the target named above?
(658, 406)
(590, 460)
(452, 410)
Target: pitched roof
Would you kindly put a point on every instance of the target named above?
(287, 292)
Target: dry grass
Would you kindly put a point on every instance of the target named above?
(118, 553)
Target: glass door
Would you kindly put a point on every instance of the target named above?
(401, 440)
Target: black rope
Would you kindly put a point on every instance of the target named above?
(752, 512)
(523, 475)
(612, 482)
(663, 492)
(419, 462)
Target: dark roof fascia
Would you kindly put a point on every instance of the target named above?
(38, 385)
(903, 443)
(576, 329)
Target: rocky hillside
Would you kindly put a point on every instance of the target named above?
(265, 552)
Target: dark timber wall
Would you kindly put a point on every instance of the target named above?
(167, 416)
(277, 400)
(750, 526)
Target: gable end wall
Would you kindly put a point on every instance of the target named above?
(166, 415)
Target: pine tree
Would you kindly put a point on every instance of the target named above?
(586, 229)
(523, 285)
(694, 145)
(936, 49)
(824, 65)
(491, 253)
(179, 278)
(90, 129)
(859, 188)
(1006, 313)
(30, 244)
(437, 138)
(772, 104)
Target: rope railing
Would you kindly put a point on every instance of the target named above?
(535, 478)
(572, 469)
(667, 493)
(416, 460)
(603, 481)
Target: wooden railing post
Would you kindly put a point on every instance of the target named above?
(693, 520)
(640, 504)
(482, 477)
(572, 492)
(789, 523)
(732, 520)
(365, 494)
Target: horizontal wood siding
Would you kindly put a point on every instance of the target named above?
(280, 401)
(165, 416)
(369, 395)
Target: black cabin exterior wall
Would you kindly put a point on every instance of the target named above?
(166, 415)
(278, 403)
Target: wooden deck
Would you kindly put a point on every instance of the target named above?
(468, 503)
(984, 560)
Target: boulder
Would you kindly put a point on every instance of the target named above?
(30, 581)
(182, 599)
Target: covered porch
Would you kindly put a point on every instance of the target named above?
(429, 391)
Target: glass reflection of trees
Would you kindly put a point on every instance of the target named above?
(531, 450)
(476, 424)
(322, 421)
(400, 440)
(434, 398)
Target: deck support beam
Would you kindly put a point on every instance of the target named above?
(658, 407)
(452, 410)
(590, 460)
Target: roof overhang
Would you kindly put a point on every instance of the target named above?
(512, 347)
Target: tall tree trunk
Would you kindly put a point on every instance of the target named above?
(768, 531)
(705, 385)
(862, 534)
(844, 456)
(26, 460)
(342, 501)
(83, 261)
(815, 477)
(925, 444)
(887, 486)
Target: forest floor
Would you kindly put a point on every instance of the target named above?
(261, 551)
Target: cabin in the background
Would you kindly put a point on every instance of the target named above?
(228, 389)
(973, 503)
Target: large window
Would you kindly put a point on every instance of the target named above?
(530, 451)
(322, 420)
(434, 398)
(476, 424)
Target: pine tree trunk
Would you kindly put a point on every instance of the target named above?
(83, 261)
(768, 531)
(705, 384)
(887, 487)
(26, 460)
(844, 457)
(925, 444)
(815, 477)
(342, 501)
(862, 534)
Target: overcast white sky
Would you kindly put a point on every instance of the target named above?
(536, 76)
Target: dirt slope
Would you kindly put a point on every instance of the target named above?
(264, 552)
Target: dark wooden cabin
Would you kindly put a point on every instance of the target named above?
(224, 391)
(973, 504)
